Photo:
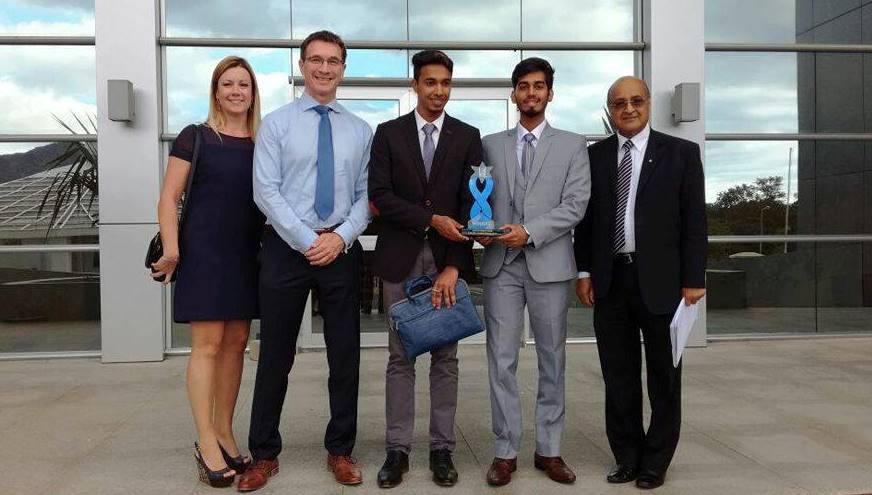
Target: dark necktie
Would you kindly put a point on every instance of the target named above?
(429, 147)
(324, 187)
(622, 193)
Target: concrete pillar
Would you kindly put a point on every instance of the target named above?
(132, 319)
(674, 32)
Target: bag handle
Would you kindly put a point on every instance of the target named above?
(422, 283)
(194, 159)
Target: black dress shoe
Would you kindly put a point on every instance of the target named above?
(649, 479)
(444, 473)
(391, 472)
(622, 473)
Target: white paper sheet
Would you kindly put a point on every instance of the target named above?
(680, 328)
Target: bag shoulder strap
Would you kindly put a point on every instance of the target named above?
(194, 159)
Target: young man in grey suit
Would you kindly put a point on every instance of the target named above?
(541, 189)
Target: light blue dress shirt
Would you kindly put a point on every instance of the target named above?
(284, 172)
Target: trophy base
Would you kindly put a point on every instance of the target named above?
(484, 232)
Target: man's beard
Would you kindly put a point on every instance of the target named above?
(532, 112)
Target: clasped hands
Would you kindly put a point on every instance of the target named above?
(325, 249)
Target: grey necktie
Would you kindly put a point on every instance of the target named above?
(429, 147)
(622, 193)
(527, 155)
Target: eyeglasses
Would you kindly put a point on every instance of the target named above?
(332, 62)
(621, 104)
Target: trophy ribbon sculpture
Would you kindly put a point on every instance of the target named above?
(481, 216)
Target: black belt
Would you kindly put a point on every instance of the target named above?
(624, 258)
(320, 231)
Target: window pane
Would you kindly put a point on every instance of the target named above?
(189, 71)
(39, 81)
(581, 81)
(209, 19)
(368, 63)
(750, 293)
(783, 21)
(47, 18)
(374, 112)
(480, 63)
(51, 302)
(482, 20)
(751, 92)
(27, 172)
(578, 20)
(348, 18)
(489, 116)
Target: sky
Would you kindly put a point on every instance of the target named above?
(745, 92)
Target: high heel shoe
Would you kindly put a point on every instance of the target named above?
(215, 479)
(240, 463)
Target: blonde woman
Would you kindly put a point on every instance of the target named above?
(215, 255)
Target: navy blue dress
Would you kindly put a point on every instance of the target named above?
(220, 240)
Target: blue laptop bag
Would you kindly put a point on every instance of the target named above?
(423, 328)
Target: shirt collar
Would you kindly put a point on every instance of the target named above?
(420, 121)
(537, 131)
(640, 140)
(308, 103)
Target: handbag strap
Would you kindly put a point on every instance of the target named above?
(194, 159)
(423, 282)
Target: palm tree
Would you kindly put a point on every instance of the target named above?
(75, 184)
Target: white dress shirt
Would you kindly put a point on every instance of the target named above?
(522, 131)
(637, 153)
(421, 122)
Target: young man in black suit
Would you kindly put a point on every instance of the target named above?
(640, 249)
(418, 172)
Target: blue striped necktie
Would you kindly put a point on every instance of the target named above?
(324, 187)
(622, 193)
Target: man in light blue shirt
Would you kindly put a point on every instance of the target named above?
(310, 180)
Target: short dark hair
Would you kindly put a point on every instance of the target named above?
(326, 36)
(530, 65)
(429, 57)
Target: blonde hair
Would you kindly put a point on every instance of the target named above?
(216, 117)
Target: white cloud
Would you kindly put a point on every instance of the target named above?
(83, 27)
(29, 111)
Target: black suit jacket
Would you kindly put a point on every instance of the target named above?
(405, 200)
(670, 220)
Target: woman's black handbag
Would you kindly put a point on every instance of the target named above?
(155, 246)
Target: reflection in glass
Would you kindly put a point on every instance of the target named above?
(577, 20)
(782, 21)
(737, 171)
(51, 302)
(368, 63)
(29, 18)
(480, 63)
(751, 92)
(482, 20)
(39, 81)
(752, 293)
(27, 170)
(581, 81)
(489, 116)
(189, 71)
(349, 18)
(374, 112)
(224, 19)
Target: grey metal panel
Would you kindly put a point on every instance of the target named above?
(132, 309)
(786, 47)
(47, 40)
(407, 45)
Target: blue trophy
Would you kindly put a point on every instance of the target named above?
(481, 216)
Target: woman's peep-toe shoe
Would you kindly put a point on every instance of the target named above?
(215, 479)
(240, 463)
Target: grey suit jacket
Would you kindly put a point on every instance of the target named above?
(557, 194)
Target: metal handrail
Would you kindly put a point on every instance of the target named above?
(802, 136)
(47, 138)
(409, 45)
(788, 47)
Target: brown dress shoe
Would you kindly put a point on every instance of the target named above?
(345, 469)
(556, 469)
(500, 472)
(257, 475)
